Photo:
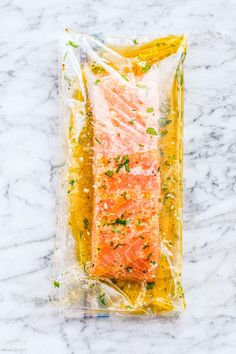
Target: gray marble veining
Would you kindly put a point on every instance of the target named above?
(29, 162)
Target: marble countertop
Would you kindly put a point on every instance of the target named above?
(29, 32)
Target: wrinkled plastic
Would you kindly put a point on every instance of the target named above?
(119, 241)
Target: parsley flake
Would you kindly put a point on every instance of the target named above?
(127, 168)
(181, 78)
(145, 66)
(109, 173)
(121, 221)
(96, 82)
(164, 122)
(150, 285)
(163, 133)
(124, 77)
(73, 44)
(124, 163)
(71, 182)
(102, 299)
(151, 131)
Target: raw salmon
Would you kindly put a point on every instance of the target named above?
(125, 241)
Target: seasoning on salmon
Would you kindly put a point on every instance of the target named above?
(125, 241)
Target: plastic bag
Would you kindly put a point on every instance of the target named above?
(119, 240)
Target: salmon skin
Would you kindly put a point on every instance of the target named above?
(125, 241)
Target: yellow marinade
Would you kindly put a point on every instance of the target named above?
(166, 292)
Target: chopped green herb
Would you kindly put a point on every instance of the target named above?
(109, 173)
(72, 182)
(121, 221)
(150, 285)
(181, 78)
(135, 41)
(97, 140)
(68, 191)
(126, 159)
(139, 222)
(141, 145)
(163, 133)
(125, 162)
(150, 109)
(73, 44)
(129, 269)
(70, 129)
(117, 158)
(96, 82)
(127, 168)
(86, 223)
(180, 289)
(164, 122)
(153, 262)
(183, 55)
(180, 75)
(128, 307)
(124, 77)
(151, 131)
(132, 121)
(119, 167)
(145, 66)
(102, 299)
(56, 284)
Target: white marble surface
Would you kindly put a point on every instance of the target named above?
(29, 31)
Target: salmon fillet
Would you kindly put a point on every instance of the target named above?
(125, 242)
